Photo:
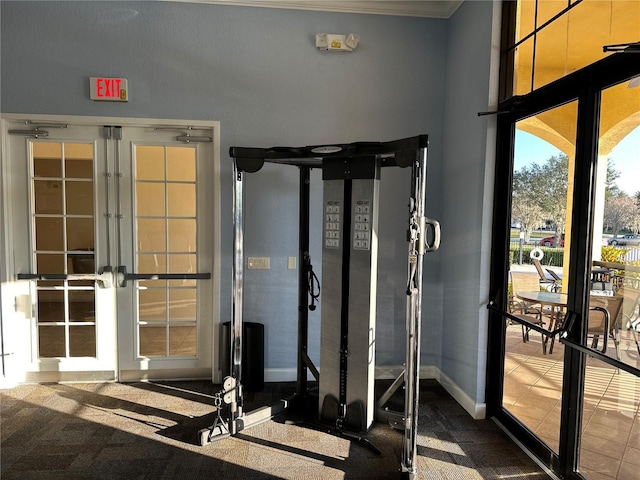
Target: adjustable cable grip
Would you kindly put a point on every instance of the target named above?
(312, 282)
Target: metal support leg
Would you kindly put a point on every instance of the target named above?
(417, 247)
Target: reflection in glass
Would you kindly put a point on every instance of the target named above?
(49, 263)
(166, 190)
(51, 306)
(179, 263)
(47, 159)
(49, 233)
(152, 235)
(182, 199)
(79, 198)
(82, 341)
(81, 263)
(62, 233)
(78, 160)
(152, 304)
(150, 199)
(48, 196)
(152, 263)
(82, 306)
(181, 164)
(182, 304)
(153, 340)
(616, 253)
(51, 341)
(610, 422)
(182, 235)
(182, 340)
(80, 234)
(149, 162)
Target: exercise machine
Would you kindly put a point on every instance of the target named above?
(345, 393)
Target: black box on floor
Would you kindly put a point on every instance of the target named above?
(252, 374)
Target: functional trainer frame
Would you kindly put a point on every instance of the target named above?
(409, 152)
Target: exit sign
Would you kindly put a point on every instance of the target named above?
(109, 89)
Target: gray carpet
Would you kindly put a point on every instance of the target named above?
(149, 431)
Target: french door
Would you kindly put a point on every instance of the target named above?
(576, 407)
(112, 240)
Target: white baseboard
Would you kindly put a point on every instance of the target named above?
(477, 411)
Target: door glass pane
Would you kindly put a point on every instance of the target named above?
(81, 306)
(150, 163)
(182, 235)
(182, 200)
(49, 263)
(153, 340)
(166, 242)
(610, 440)
(611, 427)
(79, 198)
(51, 306)
(82, 341)
(151, 235)
(182, 340)
(539, 258)
(61, 228)
(150, 199)
(47, 159)
(182, 304)
(152, 304)
(48, 196)
(49, 234)
(51, 341)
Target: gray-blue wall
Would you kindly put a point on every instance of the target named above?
(258, 72)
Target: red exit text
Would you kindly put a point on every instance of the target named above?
(110, 89)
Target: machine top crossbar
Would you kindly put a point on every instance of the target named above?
(400, 153)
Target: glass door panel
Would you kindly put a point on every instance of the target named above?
(167, 231)
(63, 225)
(166, 305)
(541, 207)
(610, 440)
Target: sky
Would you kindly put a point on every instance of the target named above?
(625, 157)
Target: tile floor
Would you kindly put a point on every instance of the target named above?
(611, 426)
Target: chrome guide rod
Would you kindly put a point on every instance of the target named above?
(236, 314)
(107, 186)
(117, 135)
(413, 314)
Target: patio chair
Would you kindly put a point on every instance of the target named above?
(544, 278)
(526, 282)
(603, 321)
(631, 312)
(557, 280)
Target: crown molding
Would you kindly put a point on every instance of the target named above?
(411, 8)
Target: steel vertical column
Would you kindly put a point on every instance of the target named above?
(303, 281)
(236, 314)
(414, 313)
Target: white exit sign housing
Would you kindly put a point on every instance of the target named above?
(109, 89)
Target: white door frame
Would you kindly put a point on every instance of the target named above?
(12, 295)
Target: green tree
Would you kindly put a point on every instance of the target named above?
(611, 188)
(540, 193)
(546, 186)
(620, 212)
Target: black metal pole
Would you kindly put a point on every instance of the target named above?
(303, 280)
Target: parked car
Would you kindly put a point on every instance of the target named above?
(550, 241)
(625, 240)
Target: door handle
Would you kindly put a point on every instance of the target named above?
(124, 277)
(104, 279)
